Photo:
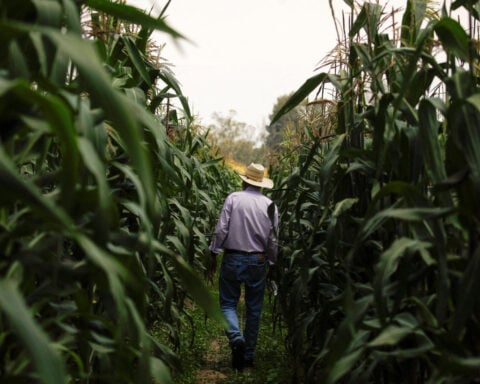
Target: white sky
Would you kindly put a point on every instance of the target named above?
(246, 53)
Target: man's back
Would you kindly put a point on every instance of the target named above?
(246, 233)
(244, 223)
(250, 225)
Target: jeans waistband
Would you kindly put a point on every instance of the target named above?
(260, 255)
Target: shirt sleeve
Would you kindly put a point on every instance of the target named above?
(221, 229)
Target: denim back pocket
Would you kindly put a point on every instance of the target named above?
(257, 270)
(230, 269)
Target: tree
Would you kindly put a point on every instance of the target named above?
(233, 139)
(276, 131)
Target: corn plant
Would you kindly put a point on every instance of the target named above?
(380, 223)
(103, 219)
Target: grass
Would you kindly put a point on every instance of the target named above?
(208, 358)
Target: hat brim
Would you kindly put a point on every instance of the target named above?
(265, 183)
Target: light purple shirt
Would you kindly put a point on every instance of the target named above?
(244, 224)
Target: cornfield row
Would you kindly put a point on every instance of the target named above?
(380, 211)
(107, 196)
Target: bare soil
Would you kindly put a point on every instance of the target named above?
(215, 365)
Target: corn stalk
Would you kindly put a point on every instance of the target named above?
(380, 224)
(103, 219)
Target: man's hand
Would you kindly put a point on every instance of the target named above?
(272, 272)
(271, 279)
(212, 267)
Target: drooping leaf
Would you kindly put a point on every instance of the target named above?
(46, 359)
(308, 87)
(133, 15)
(453, 37)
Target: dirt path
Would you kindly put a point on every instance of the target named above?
(214, 369)
(217, 360)
(211, 353)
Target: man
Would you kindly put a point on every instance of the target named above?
(246, 233)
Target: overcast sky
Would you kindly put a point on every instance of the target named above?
(246, 53)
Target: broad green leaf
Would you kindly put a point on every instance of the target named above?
(363, 54)
(359, 22)
(368, 18)
(116, 105)
(412, 20)
(172, 82)
(48, 13)
(136, 59)
(344, 365)
(197, 289)
(453, 37)
(60, 119)
(343, 206)
(390, 336)
(58, 116)
(429, 126)
(71, 15)
(160, 371)
(46, 359)
(389, 259)
(42, 52)
(426, 314)
(466, 295)
(421, 348)
(300, 95)
(416, 214)
(472, 7)
(15, 54)
(144, 361)
(462, 365)
(387, 266)
(406, 319)
(474, 136)
(178, 245)
(405, 214)
(97, 168)
(115, 272)
(132, 15)
(136, 94)
(139, 188)
(16, 188)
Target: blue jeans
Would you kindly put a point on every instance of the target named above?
(251, 271)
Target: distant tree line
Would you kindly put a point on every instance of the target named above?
(233, 139)
(237, 141)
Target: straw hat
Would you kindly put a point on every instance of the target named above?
(254, 176)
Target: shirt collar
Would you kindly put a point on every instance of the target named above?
(252, 189)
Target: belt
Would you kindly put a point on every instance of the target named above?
(261, 255)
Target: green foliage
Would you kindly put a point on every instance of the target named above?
(276, 130)
(103, 219)
(233, 139)
(206, 356)
(380, 224)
